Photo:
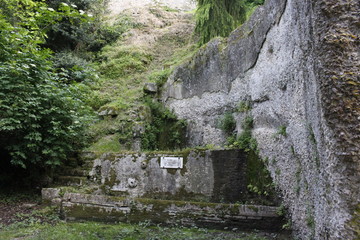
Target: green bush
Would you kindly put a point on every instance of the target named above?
(97, 100)
(244, 140)
(227, 123)
(258, 177)
(73, 32)
(71, 68)
(253, 3)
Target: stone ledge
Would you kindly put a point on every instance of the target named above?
(77, 206)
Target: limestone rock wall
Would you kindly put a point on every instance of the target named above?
(297, 63)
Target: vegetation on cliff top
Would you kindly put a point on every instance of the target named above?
(219, 17)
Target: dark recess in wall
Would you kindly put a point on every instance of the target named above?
(229, 175)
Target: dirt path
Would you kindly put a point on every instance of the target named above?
(117, 6)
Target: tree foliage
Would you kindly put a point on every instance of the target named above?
(219, 17)
(77, 38)
(41, 119)
(73, 34)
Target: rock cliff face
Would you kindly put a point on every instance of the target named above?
(297, 63)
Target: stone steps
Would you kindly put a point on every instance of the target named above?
(71, 180)
(78, 171)
(87, 165)
(75, 172)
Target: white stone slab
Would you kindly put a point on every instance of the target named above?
(171, 162)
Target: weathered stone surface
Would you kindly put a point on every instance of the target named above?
(217, 175)
(76, 206)
(297, 62)
(48, 194)
(108, 112)
(150, 88)
(71, 180)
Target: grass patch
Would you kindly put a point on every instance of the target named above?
(123, 69)
(93, 231)
(108, 143)
(159, 76)
(123, 60)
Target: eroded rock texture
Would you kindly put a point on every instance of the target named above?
(297, 63)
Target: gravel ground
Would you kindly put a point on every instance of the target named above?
(116, 6)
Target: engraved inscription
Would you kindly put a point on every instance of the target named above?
(171, 162)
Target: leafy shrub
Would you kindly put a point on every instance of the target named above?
(258, 177)
(72, 68)
(41, 120)
(251, 3)
(73, 32)
(96, 100)
(227, 123)
(84, 5)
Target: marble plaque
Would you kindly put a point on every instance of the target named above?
(171, 162)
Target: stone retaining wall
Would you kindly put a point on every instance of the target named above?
(207, 175)
(77, 206)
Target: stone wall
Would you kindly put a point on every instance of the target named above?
(216, 176)
(296, 63)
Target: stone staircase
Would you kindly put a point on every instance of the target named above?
(134, 188)
(75, 172)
